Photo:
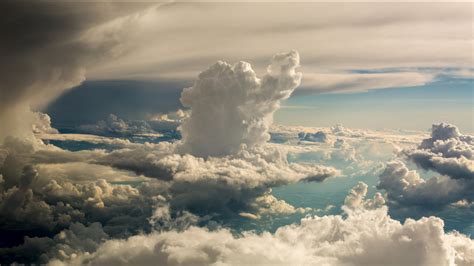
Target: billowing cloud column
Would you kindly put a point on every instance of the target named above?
(231, 106)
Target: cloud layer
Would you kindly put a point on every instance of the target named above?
(367, 236)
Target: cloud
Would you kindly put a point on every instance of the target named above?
(114, 125)
(51, 48)
(356, 198)
(65, 245)
(42, 124)
(132, 100)
(212, 187)
(362, 237)
(378, 34)
(167, 122)
(45, 190)
(356, 152)
(362, 82)
(118, 142)
(406, 188)
(319, 136)
(226, 185)
(230, 106)
(447, 152)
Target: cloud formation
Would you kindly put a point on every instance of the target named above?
(231, 107)
(47, 48)
(447, 152)
(367, 236)
(114, 125)
(378, 34)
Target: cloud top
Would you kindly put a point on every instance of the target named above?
(231, 106)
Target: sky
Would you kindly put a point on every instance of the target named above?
(449, 100)
(236, 133)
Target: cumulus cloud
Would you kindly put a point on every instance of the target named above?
(47, 189)
(230, 106)
(319, 136)
(42, 124)
(447, 152)
(365, 236)
(65, 245)
(356, 152)
(224, 185)
(115, 126)
(169, 121)
(356, 198)
(406, 188)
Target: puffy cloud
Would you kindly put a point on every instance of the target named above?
(356, 198)
(226, 185)
(406, 188)
(362, 237)
(42, 124)
(230, 106)
(356, 152)
(319, 136)
(41, 195)
(114, 125)
(66, 244)
(447, 152)
(169, 121)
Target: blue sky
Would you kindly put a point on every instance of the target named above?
(416, 108)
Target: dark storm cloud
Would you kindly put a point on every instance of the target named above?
(131, 100)
(43, 51)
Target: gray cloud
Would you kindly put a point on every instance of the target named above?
(46, 49)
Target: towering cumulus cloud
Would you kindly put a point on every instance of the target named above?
(231, 106)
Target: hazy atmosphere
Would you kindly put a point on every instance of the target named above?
(236, 133)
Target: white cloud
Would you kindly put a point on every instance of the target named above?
(85, 138)
(231, 107)
(364, 237)
(447, 151)
(357, 82)
(334, 41)
(114, 125)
